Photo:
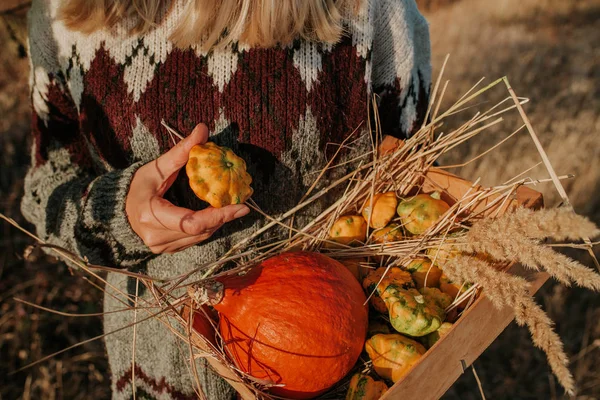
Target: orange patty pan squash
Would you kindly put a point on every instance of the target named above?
(217, 175)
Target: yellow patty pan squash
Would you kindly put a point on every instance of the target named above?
(393, 355)
(420, 212)
(381, 208)
(424, 273)
(217, 175)
(442, 253)
(349, 229)
(363, 387)
(391, 233)
(394, 275)
(434, 337)
(454, 290)
(415, 313)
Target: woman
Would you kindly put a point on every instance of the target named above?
(275, 81)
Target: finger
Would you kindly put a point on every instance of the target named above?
(211, 219)
(215, 217)
(165, 215)
(173, 160)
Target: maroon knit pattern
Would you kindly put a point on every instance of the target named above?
(340, 105)
(182, 93)
(61, 122)
(157, 386)
(264, 99)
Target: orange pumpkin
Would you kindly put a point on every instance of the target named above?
(289, 319)
(349, 229)
(393, 275)
(421, 212)
(379, 210)
(393, 355)
(217, 175)
(363, 387)
(202, 324)
(424, 273)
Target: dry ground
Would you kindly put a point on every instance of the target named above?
(547, 48)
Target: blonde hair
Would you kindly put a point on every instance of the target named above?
(257, 23)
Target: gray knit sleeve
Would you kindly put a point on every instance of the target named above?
(401, 59)
(71, 204)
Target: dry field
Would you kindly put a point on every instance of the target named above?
(549, 51)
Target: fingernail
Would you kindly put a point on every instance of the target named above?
(241, 212)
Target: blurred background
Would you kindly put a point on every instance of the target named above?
(548, 49)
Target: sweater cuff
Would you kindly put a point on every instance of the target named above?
(105, 218)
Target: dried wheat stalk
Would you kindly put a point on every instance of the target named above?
(516, 236)
(508, 290)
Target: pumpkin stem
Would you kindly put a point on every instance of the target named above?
(436, 195)
(208, 292)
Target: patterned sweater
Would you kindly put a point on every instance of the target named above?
(98, 101)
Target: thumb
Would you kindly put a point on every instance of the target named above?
(173, 160)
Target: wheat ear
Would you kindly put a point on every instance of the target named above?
(515, 237)
(508, 290)
(556, 223)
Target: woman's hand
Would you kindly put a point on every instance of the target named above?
(162, 226)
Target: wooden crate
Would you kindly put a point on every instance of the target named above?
(480, 324)
(474, 331)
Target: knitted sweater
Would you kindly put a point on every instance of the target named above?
(98, 102)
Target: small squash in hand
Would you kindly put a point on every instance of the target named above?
(217, 175)
(424, 273)
(379, 210)
(393, 355)
(394, 275)
(412, 312)
(363, 387)
(421, 212)
(434, 337)
(349, 229)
